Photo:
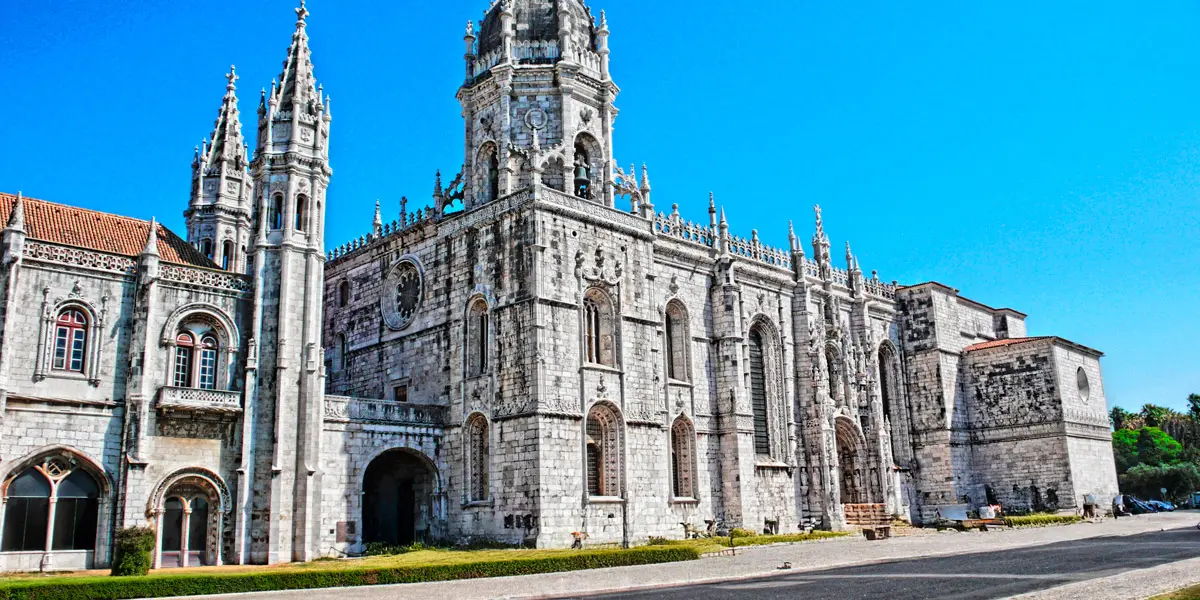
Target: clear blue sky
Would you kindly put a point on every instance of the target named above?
(1037, 155)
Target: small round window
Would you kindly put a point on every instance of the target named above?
(1085, 388)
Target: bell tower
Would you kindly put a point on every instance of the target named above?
(218, 214)
(538, 102)
(280, 492)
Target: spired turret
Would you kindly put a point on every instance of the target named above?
(538, 102)
(218, 214)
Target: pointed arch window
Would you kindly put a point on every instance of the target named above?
(477, 338)
(227, 254)
(758, 392)
(582, 169)
(677, 342)
(683, 459)
(70, 340)
(275, 212)
(51, 506)
(301, 216)
(603, 452)
(599, 343)
(478, 458)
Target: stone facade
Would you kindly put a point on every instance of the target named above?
(522, 361)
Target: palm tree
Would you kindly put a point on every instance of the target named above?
(1119, 417)
(1155, 415)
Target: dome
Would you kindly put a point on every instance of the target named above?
(537, 21)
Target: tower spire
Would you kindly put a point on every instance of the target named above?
(377, 224)
(296, 83)
(227, 142)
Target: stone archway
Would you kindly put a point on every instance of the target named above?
(398, 499)
(189, 509)
(851, 463)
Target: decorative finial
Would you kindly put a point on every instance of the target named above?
(470, 29)
(16, 220)
(791, 236)
(377, 224)
(723, 222)
(645, 179)
(712, 203)
(437, 184)
(301, 14)
(820, 223)
(603, 19)
(232, 77)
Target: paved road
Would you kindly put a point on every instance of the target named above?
(961, 577)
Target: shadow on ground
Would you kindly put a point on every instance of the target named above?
(983, 575)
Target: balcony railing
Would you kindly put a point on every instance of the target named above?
(218, 401)
(342, 408)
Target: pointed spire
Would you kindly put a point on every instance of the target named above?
(645, 179)
(227, 142)
(151, 248)
(437, 184)
(793, 241)
(16, 219)
(296, 83)
(849, 257)
(820, 224)
(377, 224)
(724, 224)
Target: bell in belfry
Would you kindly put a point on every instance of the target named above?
(583, 176)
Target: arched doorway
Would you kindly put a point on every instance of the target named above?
(850, 463)
(189, 508)
(397, 507)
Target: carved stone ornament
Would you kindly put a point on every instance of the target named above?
(599, 271)
(536, 118)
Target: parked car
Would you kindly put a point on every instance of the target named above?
(1138, 507)
(1161, 505)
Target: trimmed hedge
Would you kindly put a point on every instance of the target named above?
(133, 547)
(1041, 520)
(761, 540)
(158, 586)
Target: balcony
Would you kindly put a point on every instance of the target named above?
(345, 409)
(197, 400)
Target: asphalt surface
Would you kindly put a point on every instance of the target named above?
(962, 577)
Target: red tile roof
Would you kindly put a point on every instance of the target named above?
(1004, 342)
(114, 234)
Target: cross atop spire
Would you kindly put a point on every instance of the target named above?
(301, 14)
(232, 77)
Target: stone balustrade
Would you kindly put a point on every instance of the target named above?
(194, 399)
(346, 409)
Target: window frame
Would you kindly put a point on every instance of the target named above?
(85, 525)
(478, 459)
(677, 342)
(477, 338)
(71, 328)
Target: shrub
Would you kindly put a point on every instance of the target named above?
(133, 548)
(158, 586)
(658, 541)
(738, 532)
(1041, 520)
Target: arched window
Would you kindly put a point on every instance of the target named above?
(344, 293)
(603, 452)
(185, 346)
(227, 254)
(275, 212)
(493, 177)
(70, 340)
(683, 459)
(758, 393)
(477, 338)
(208, 363)
(677, 342)
(197, 355)
(301, 213)
(887, 380)
(478, 452)
(206, 247)
(51, 504)
(598, 329)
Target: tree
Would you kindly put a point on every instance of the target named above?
(1155, 415)
(1154, 447)
(1125, 449)
(1147, 480)
(1119, 418)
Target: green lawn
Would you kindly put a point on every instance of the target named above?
(1191, 593)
